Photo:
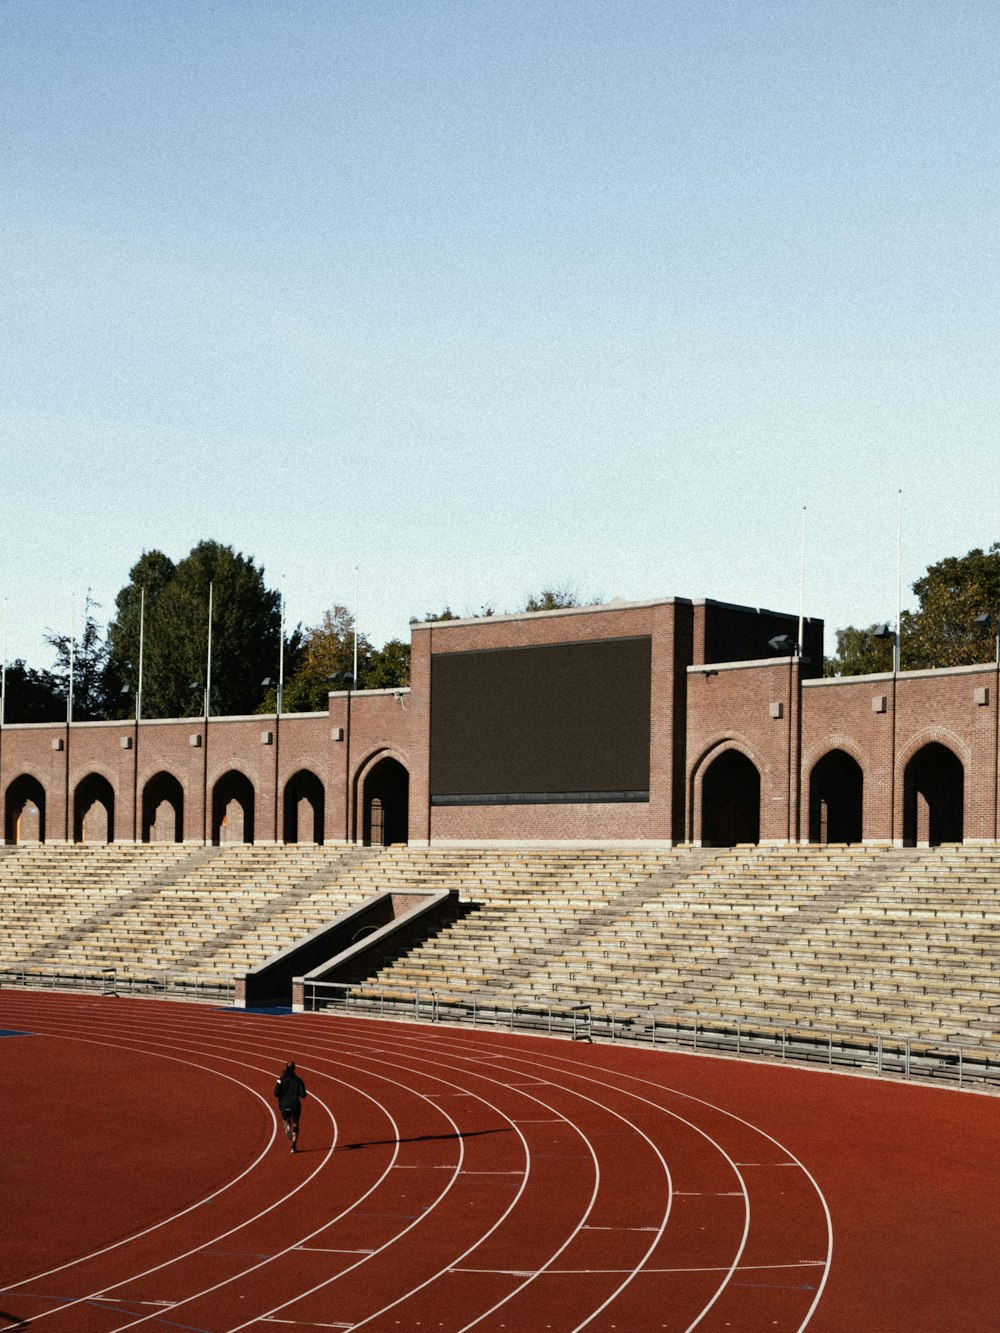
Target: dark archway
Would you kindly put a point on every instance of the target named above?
(836, 799)
(163, 809)
(933, 797)
(730, 801)
(24, 811)
(305, 808)
(94, 810)
(233, 803)
(386, 804)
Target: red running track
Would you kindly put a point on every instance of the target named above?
(452, 1179)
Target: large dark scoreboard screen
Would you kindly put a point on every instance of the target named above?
(558, 722)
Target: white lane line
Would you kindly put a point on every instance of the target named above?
(177, 1258)
(578, 1065)
(203, 1040)
(183, 1212)
(408, 1043)
(302, 1295)
(422, 1042)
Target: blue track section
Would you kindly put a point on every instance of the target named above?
(12, 1032)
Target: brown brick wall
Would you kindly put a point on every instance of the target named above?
(696, 715)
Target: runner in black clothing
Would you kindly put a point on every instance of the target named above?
(290, 1091)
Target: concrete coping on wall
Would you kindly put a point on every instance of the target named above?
(597, 608)
(356, 694)
(194, 721)
(881, 677)
(712, 668)
(40, 726)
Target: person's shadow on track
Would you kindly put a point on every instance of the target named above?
(424, 1138)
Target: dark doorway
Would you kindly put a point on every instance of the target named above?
(163, 809)
(24, 811)
(730, 801)
(386, 804)
(933, 797)
(94, 810)
(836, 791)
(305, 806)
(233, 801)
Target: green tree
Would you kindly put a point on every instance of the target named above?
(89, 654)
(245, 632)
(952, 594)
(942, 632)
(33, 696)
(327, 650)
(552, 599)
(388, 667)
(136, 603)
(860, 652)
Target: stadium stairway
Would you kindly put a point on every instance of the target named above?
(860, 939)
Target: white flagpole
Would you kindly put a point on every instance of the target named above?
(357, 612)
(802, 589)
(898, 651)
(3, 669)
(281, 649)
(142, 627)
(208, 663)
(72, 654)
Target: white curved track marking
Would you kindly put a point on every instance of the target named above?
(479, 1075)
(203, 1038)
(788, 1153)
(162, 1310)
(195, 1249)
(586, 1072)
(199, 1203)
(412, 1040)
(421, 1048)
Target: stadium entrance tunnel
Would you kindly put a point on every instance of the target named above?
(24, 811)
(163, 809)
(730, 801)
(933, 797)
(94, 810)
(386, 801)
(304, 808)
(232, 809)
(836, 799)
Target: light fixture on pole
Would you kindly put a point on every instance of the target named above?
(986, 620)
(784, 644)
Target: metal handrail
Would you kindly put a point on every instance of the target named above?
(119, 981)
(881, 1053)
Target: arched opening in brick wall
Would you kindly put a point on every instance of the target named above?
(933, 797)
(24, 811)
(836, 799)
(94, 810)
(305, 808)
(163, 809)
(730, 801)
(386, 804)
(233, 803)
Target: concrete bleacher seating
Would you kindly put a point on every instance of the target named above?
(861, 939)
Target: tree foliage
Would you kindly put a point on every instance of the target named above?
(245, 632)
(31, 695)
(326, 658)
(942, 632)
(552, 599)
(89, 654)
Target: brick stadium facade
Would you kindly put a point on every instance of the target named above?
(663, 721)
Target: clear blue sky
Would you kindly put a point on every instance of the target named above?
(488, 297)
